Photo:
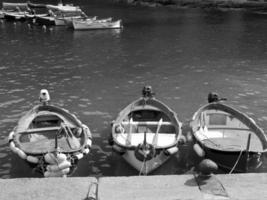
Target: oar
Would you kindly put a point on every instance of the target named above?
(72, 140)
(155, 139)
(129, 135)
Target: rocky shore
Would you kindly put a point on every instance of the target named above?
(254, 5)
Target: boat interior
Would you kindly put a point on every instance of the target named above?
(219, 129)
(151, 122)
(46, 131)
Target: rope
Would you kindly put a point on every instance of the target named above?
(143, 164)
(236, 162)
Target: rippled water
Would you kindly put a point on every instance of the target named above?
(182, 53)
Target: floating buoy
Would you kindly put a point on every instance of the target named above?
(198, 150)
(207, 166)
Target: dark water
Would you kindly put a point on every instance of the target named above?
(182, 53)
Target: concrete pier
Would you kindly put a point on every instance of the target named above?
(172, 187)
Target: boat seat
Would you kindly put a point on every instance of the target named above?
(33, 130)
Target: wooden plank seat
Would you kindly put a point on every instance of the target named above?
(43, 129)
(145, 123)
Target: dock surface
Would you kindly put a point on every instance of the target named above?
(171, 187)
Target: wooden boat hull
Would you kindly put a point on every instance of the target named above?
(228, 137)
(141, 121)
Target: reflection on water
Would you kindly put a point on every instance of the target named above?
(184, 54)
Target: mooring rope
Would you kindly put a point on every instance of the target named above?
(240, 154)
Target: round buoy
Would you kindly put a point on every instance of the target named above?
(207, 167)
(198, 150)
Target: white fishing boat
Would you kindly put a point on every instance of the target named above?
(50, 138)
(228, 137)
(146, 133)
(93, 24)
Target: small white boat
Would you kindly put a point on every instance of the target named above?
(91, 24)
(146, 133)
(50, 138)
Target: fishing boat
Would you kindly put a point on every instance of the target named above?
(58, 13)
(146, 133)
(93, 24)
(50, 138)
(15, 11)
(228, 137)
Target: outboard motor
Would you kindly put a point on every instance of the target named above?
(44, 96)
(214, 97)
(147, 92)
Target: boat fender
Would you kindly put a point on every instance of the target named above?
(10, 136)
(86, 151)
(118, 149)
(198, 150)
(32, 159)
(207, 167)
(61, 157)
(61, 166)
(13, 147)
(89, 142)
(21, 154)
(145, 152)
(172, 150)
(78, 156)
(50, 158)
(87, 131)
(119, 128)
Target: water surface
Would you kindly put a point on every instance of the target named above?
(182, 53)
